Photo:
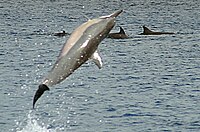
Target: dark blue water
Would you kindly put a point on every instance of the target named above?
(147, 83)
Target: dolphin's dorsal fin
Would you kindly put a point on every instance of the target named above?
(146, 30)
(121, 30)
(97, 59)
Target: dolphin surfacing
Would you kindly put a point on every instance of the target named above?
(147, 31)
(81, 46)
(61, 34)
(120, 35)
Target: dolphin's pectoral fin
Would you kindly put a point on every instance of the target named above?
(39, 92)
(97, 59)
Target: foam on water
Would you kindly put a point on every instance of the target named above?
(32, 125)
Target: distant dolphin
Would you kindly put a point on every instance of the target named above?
(120, 35)
(81, 46)
(61, 34)
(149, 32)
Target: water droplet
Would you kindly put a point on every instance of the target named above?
(96, 91)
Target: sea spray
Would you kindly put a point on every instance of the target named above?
(31, 124)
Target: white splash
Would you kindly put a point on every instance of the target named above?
(32, 125)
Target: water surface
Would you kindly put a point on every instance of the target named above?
(147, 83)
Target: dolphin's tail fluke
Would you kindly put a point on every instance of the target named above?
(39, 92)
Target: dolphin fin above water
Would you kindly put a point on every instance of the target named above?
(61, 34)
(121, 30)
(120, 35)
(80, 47)
(147, 31)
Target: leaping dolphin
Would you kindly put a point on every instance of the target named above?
(149, 32)
(81, 46)
(120, 35)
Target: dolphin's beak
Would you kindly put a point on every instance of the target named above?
(115, 14)
(39, 92)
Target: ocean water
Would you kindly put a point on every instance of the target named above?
(147, 83)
